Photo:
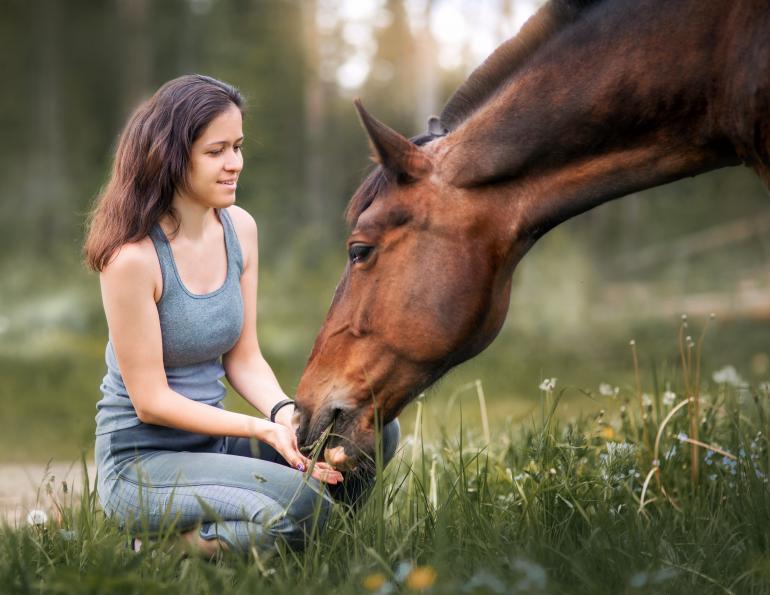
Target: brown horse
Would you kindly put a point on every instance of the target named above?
(591, 101)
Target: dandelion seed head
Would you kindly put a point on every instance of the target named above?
(729, 375)
(37, 517)
(607, 390)
(668, 398)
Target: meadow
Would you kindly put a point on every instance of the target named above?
(585, 486)
(646, 491)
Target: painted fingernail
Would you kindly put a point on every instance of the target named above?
(300, 467)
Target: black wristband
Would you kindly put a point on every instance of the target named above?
(278, 406)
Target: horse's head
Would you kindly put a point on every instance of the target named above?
(426, 287)
(572, 112)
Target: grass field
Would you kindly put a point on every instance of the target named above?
(647, 493)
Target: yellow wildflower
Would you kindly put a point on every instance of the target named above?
(607, 433)
(421, 578)
(373, 582)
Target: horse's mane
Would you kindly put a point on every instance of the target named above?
(481, 85)
(498, 68)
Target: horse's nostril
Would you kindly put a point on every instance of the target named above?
(303, 427)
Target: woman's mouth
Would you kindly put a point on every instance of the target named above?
(228, 183)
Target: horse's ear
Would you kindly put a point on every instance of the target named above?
(394, 152)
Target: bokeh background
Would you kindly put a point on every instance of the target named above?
(72, 70)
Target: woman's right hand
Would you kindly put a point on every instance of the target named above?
(284, 441)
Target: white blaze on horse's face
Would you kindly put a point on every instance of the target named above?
(422, 292)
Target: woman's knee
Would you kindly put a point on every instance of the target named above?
(304, 516)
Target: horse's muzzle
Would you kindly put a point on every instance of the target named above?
(323, 435)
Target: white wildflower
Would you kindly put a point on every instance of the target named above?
(548, 384)
(729, 375)
(37, 517)
(668, 398)
(402, 571)
(621, 449)
(646, 400)
(682, 437)
(607, 390)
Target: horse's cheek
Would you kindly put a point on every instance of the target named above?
(436, 314)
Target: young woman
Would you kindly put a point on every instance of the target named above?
(178, 271)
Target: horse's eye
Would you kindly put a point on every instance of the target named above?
(359, 252)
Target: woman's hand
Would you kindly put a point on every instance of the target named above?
(284, 440)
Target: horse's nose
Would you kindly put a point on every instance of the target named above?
(303, 426)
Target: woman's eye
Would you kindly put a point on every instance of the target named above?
(215, 153)
(237, 148)
(359, 252)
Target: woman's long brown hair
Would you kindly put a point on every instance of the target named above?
(151, 162)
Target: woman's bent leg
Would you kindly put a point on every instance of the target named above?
(242, 501)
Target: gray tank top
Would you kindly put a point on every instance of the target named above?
(196, 330)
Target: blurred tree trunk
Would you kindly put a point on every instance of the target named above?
(315, 105)
(46, 184)
(136, 67)
(391, 90)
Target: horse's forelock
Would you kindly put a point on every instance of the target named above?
(373, 185)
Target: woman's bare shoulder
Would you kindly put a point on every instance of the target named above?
(134, 263)
(245, 226)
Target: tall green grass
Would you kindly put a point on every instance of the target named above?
(602, 503)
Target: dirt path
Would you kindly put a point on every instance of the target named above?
(24, 487)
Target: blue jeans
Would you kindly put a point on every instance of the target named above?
(240, 491)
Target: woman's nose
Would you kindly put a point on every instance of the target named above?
(234, 162)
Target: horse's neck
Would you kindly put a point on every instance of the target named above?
(630, 97)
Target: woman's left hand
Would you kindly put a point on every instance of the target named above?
(284, 440)
(322, 471)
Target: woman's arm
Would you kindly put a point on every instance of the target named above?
(128, 288)
(247, 371)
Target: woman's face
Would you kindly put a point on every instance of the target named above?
(216, 161)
